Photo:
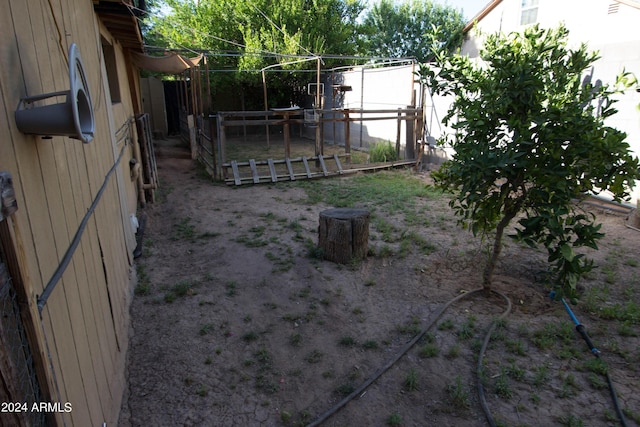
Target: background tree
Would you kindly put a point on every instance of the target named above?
(261, 33)
(529, 139)
(401, 30)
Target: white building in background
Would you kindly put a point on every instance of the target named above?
(607, 26)
(370, 88)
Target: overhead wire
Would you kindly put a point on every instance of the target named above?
(253, 52)
(207, 35)
(281, 30)
(215, 52)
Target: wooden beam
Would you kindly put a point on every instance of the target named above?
(272, 169)
(337, 159)
(236, 173)
(290, 169)
(306, 166)
(323, 166)
(254, 171)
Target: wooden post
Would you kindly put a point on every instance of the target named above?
(206, 71)
(194, 88)
(420, 124)
(222, 140)
(410, 147)
(398, 130)
(287, 135)
(347, 134)
(319, 147)
(199, 95)
(214, 157)
(343, 234)
(320, 124)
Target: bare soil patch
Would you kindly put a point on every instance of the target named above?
(235, 322)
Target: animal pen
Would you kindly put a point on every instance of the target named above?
(360, 107)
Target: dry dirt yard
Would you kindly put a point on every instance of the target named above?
(237, 321)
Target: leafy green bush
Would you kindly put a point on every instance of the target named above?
(530, 155)
(382, 152)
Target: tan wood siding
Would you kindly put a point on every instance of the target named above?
(85, 321)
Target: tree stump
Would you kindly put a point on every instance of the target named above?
(343, 234)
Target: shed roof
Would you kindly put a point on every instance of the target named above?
(121, 19)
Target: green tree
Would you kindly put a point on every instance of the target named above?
(258, 33)
(529, 139)
(401, 30)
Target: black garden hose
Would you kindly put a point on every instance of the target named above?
(320, 419)
(594, 350)
(485, 343)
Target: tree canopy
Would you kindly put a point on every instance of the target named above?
(392, 29)
(529, 139)
(247, 35)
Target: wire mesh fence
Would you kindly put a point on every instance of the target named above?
(16, 360)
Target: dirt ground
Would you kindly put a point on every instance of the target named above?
(236, 323)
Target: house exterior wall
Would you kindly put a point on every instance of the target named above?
(607, 26)
(80, 338)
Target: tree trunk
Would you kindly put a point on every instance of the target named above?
(487, 274)
(343, 234)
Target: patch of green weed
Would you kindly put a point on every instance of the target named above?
(314, 357)
(428, 350)
(458, 393)
(183, 288)
(394, 420)
(502, 387)
(412, 327)
(347, 341)
(345, 389)
(183, 230)
(411, 381)
(371, 345)
(232, 288)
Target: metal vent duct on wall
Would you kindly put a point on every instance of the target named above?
(72, 118)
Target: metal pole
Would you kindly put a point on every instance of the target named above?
(319, 147)
(266, 104)
(206, 67)
(361, 104)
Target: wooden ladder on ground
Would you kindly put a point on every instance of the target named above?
(270, 170)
